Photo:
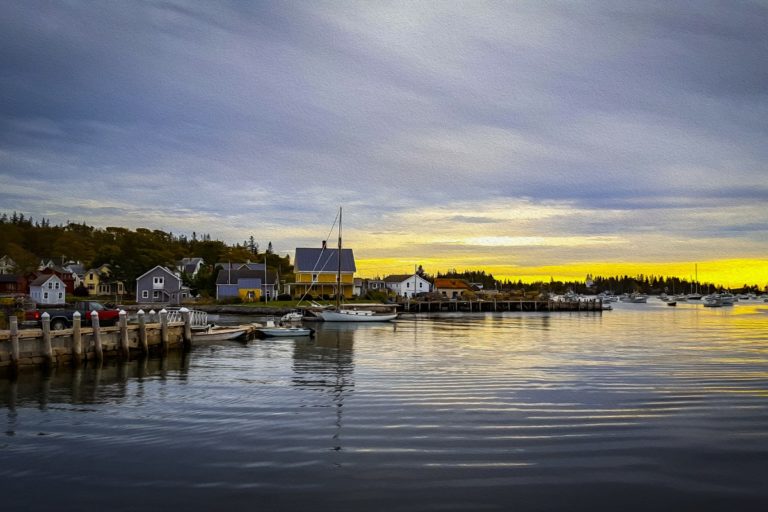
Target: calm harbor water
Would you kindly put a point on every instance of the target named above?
(645, 407)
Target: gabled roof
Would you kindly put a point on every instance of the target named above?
(239, 266)
(445, 282)
(44, 278)
(232, 276)
(398, 278)
(189, 265)
(76, 268)
(164, 269)
(311, 259)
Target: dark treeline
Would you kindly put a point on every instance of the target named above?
(616, 284)
(130, 253)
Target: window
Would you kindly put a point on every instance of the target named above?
(159, 280)
(314, 278)
(45, 295)
(421, 285)
(57, 286)
(50, 285)
(156, 294)
(408, 285)
(60, 297)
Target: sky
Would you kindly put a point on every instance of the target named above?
(532, 139)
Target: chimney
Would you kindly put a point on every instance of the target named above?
(323, 244)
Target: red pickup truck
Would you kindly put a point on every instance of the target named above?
(61, 318)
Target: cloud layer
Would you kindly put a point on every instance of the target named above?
(524, 133)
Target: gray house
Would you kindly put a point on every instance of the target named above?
(249, 285)
(190, 266)
(159, 285)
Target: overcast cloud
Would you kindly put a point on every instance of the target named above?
(526, 133)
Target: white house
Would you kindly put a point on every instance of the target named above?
(407, 285)
(48, 289)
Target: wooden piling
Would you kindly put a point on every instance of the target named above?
(77, 339)
(14, 340)
(163, 330)
(47, 351)
(186, 315)
(97, 347)
(143, 346)
(124, 351)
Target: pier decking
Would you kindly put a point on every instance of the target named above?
(494, 306)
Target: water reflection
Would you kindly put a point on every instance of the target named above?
(86, 384)
(326, 365)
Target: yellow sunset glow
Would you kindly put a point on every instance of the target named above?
(728, 272)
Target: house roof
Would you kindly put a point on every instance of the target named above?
(226, 276)
(164, 269)
(398, 278)
(76, 268)
(40, 280)
(9, 278)
(238, 266)
(444, 282)
(189, 265)
(311, 259)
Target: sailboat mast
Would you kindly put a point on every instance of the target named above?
(338, 271)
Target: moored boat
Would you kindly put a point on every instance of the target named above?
(283, 331)
(216, 333)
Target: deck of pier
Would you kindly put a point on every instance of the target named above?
(495, 306)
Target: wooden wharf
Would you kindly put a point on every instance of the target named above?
(153, 333)
(498, 306)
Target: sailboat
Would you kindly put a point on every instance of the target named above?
(338, 314)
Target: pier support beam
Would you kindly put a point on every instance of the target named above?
(14, 340)
(143, 346)
(186, 316)
(77, 339)
(97, 347)
(47, 351)
(124, 352)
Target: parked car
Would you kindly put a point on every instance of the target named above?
(61, 318)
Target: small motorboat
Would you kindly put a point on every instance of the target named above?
(671, 303)
(219, 333)
(293, 316)
(284, 331)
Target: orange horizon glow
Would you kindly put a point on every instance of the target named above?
(729, 273)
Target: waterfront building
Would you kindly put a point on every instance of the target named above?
(452, 288)
(405, 285)
(315, 269)
(160, 285)
(48, 289)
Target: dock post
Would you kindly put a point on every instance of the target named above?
(124, 351)
(186, 315)
(14, 340)
(163, 329)
(47, 350)
(98, 349)
(143, 346)
(77, 339)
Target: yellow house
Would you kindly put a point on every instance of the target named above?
(97, 281)
(316, 271)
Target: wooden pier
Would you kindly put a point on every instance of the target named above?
(498, 306)
(41, 347)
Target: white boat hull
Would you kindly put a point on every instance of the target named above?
(355, 316)
(285, 331)
(221, 334)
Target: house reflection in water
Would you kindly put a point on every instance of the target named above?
(326, 365)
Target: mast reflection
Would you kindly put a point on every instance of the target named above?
(326, 365)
